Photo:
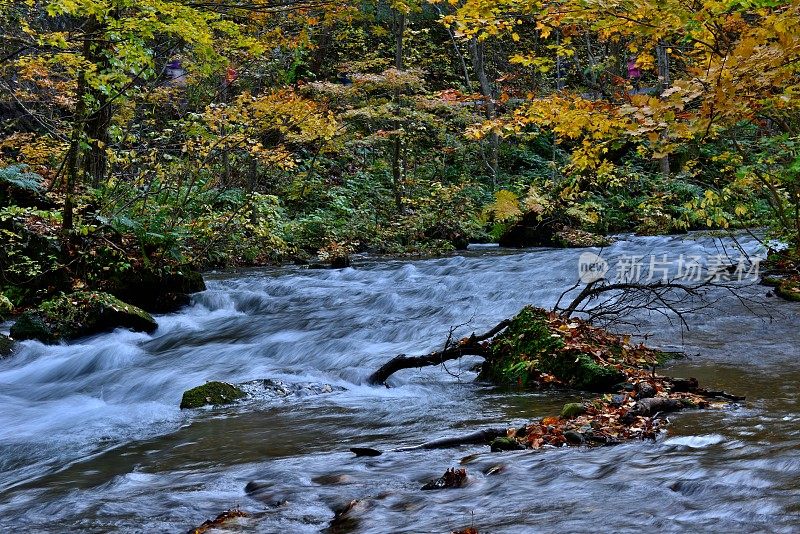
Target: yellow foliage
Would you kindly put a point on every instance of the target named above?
(505, 207)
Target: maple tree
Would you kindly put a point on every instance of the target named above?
(715, 66)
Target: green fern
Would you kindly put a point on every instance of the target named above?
(17, 176)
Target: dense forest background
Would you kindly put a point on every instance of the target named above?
(144, 139)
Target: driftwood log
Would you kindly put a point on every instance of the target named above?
(468, 346)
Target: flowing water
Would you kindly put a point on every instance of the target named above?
(92, 440)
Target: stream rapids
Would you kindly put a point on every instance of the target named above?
(92, 439)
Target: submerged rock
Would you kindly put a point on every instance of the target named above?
(80, 314)
(211, 394)
(452, 478)
(268, 388)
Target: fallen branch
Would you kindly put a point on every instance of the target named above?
(481, 437)
(468, 346)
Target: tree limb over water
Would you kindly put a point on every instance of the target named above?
(468, 346)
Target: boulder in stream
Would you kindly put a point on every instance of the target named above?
(80, 314)
(5, 307)
(211, 394)
(218, 393)
(157, 291)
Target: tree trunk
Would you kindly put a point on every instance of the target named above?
(96, 161)
(73, 166)
(397, 170)
(462, 62)
(664, 81)
(478, 65)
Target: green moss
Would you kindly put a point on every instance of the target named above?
(80, 314)
(662, 357)
(581, 371)
(528, 347)
(5, 307)
(518, 349)
(573, 409)
(788, 289)
(211, 393)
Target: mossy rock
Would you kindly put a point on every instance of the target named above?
(211, 394)
(505, 444)
(80, 314)
(6, 345)
(529, 231)
(517, 349)
(5, 307)
(581, 371)
(789, 289)
(157, 291)
(772, 281)
(528, 347)
(573, 409)
(560, 230)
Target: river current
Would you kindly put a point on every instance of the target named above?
(92, 439)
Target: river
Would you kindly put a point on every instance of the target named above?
(92, 440)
